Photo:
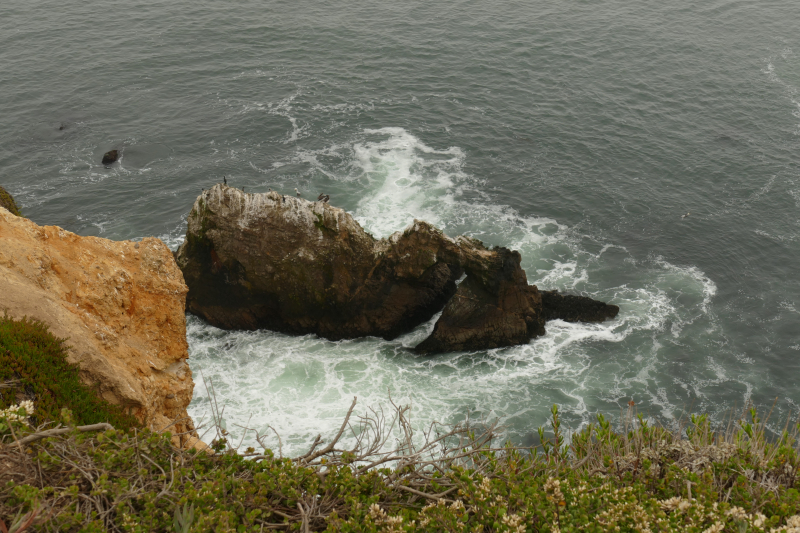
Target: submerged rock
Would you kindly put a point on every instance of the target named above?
(283, 263)
(119, 304)
(110, 157)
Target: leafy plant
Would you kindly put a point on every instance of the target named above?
(36, 362)
(183, 520)
(392, 478)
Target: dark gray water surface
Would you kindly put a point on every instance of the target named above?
(576, 132)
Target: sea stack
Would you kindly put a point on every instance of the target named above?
(287, 264)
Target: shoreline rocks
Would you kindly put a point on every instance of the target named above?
(283, 263)
(119, 304)
(492, 311)
(572, 308)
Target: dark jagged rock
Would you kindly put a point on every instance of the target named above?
(278, 262)
(283, 263)
(7, 202)
(110, 157)
(490, 311)
(571, 308)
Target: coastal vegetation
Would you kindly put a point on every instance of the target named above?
(381, 473)
(7, 201)
(33, 365)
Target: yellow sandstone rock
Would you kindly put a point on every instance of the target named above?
(119, 304)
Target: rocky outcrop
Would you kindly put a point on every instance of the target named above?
(571, 308)
(497, 309)
(283, 263)
(110, 157)
(287, 264)
(7, 202)
(119, 304)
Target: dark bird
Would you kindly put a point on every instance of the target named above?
(321, 196)
(298, 193)
(224, 180)
(686, 215)
(325, 199)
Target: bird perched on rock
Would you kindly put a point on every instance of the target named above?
(323, 198)
(224, 180)
(298, 193)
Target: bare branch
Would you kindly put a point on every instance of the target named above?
(54, 432)
(307, 458)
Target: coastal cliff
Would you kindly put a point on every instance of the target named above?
(119, 304)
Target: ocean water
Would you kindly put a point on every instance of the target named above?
(577, 133)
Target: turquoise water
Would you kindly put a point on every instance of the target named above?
(577, 133)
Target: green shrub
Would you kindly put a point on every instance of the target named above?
(36, 360)
(7, 201)
(640, 478)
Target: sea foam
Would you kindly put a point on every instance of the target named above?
(302, 386)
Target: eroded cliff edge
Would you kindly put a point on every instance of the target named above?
(283, 263)
(119, 304)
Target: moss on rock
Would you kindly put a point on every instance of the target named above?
(7, 201)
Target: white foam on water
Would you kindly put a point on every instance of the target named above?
(302, 386)
(792, 92)
(406, 179)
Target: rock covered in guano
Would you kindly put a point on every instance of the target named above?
(283, 263)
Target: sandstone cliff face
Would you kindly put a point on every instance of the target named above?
(121, 306)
